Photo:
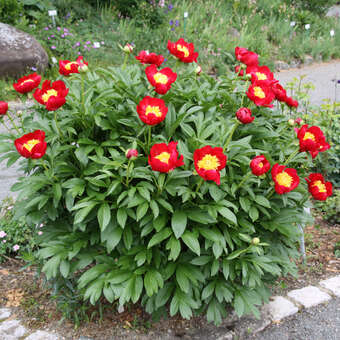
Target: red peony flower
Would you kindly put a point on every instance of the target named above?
(152, 111)
(183, 51)
(279, 92)
(312, 139)
(164, 158)
(67, 67)
(3, 107)
(298, 121)
(160, 79)
(261, 95)
(239, 71)
(291, 102)
(244, 115)
(31, 145)
(260, 74)
(246, 57)
(150, 58)
(27, 83)
(259, 165)
(209, 162)
(286, 179)
(53, 96)
(317, 186)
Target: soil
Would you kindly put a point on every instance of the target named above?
(25, 293)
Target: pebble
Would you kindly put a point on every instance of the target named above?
(309, 296)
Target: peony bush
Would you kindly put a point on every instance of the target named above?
(162, 185)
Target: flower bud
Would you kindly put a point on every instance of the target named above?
(299, 121)
(128, 48)
(243, 114)
(198, 70)
(255, 241)
(291, 122)
(131, 154)
(3, 107)
(83, 68)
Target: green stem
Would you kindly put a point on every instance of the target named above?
(43, 163)
(128, 173)
(230, 136)
(292, 156)
(271, 193)
(243, 180)
(125, 60)
(57, 125)
(12, 121)
(244, 92)
(199, 184)
(149, 138)
(82, 93)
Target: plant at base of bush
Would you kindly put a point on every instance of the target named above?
(330, 208)
(194, 230)
(16, 236)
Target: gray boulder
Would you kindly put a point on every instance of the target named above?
(19, 52)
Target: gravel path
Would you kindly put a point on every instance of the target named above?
(321, 75)
(317, 323)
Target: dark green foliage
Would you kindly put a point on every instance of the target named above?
(319, 7)
(121, 231)
(10, 10)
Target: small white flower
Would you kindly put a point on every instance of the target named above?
(186, 14)
(307, 26)
(16, 247)
(292, 23)
(332, 33)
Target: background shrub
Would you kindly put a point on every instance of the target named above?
(10, 10)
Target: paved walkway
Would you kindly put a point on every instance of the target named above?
(322, 75)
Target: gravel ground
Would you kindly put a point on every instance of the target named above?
(318, 323)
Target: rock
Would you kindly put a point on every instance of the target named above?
(19, 52)
(4, 313)
(309, 296)
(42, 335)
(334, 12)
(295, 64)
(332, 284)
(281, 65)
(308, 60)
(280, 308)
(12, 329)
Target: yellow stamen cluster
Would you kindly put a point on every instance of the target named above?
(209, 162)
(321, 186)
(45, 97)
(163, 157)
(69, 65)
(160, 78)
(30, 144)
(309, 135)
(258, 92)
(153, 109)
(183, 49)
(284, 179)
(261, 76)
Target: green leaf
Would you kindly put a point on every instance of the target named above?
(159, 237)
(253, 213)
(164, 295)
(154, 208)
(227, 214)
(178, 223)
(182, 279)
(104, 216)
(141, 210)
(175, 248)
(198, 216)
(236, 253)
(165, 204)
(245, 203)
(262, 201)
(121, 217)
(239, 305)
(64, 268)
(216, 193)
(160, 222)
(82, 213)
(192, 242)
